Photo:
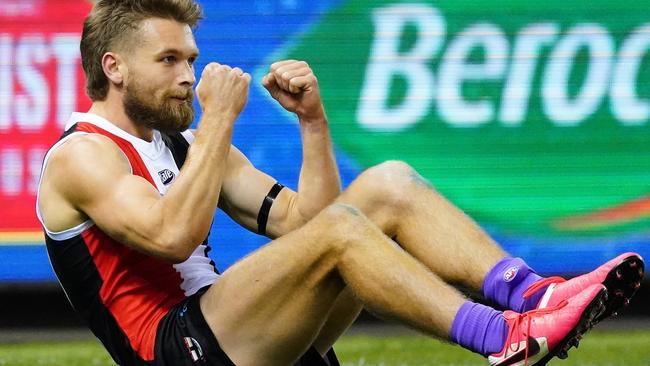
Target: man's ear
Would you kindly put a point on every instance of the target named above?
(114, 68)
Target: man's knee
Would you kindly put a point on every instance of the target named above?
(343, 224)
(391, 182)
(349, 228)
(337, 213)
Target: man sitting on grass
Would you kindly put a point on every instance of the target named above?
(127, 197)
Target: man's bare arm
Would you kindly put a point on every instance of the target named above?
(294, 86)
(94, 178)
(243, 191)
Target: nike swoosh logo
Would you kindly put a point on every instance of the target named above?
(533, 349)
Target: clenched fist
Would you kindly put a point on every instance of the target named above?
(223, 90)
(293, 84)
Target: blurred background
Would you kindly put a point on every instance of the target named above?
(533, 117)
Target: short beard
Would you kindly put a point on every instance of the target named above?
(167, 117)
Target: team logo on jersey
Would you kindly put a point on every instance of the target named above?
(510, 274)
(166, 176)
(194, 348)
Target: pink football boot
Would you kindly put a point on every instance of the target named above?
(621, 276)
(536, 336)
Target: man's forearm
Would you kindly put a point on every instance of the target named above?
(192, 199)
(319, 182)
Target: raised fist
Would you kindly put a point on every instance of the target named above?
(223, 90)
(293, 84)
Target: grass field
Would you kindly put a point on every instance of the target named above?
(599, 348)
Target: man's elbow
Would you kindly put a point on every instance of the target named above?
(178, 248)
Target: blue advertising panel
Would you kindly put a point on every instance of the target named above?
(538, 129)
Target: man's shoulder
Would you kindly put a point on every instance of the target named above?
(84, 146)
(87, 152)
(79, 170)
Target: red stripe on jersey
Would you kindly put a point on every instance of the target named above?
(138, 166)
(137, 289)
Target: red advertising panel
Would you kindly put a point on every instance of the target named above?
(41, 83)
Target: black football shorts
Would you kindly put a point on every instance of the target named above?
(185, 339)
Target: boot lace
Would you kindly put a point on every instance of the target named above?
(525, 318)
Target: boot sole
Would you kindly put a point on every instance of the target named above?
(622, 283)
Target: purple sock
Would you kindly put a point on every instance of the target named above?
(506, 283)
(479, 328)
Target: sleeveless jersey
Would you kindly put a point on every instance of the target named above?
(122, 293)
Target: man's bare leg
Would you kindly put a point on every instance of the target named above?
(270, 307)
(407, 208)
(345, 311)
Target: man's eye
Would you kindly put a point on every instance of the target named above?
(191, 60)
(169, 59)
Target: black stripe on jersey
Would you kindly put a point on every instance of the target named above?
(80, 279)
(69, 131)
(178, 146)
(207, 250)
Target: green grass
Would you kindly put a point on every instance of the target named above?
(599, 348)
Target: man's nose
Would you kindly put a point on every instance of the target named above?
(187, 74)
